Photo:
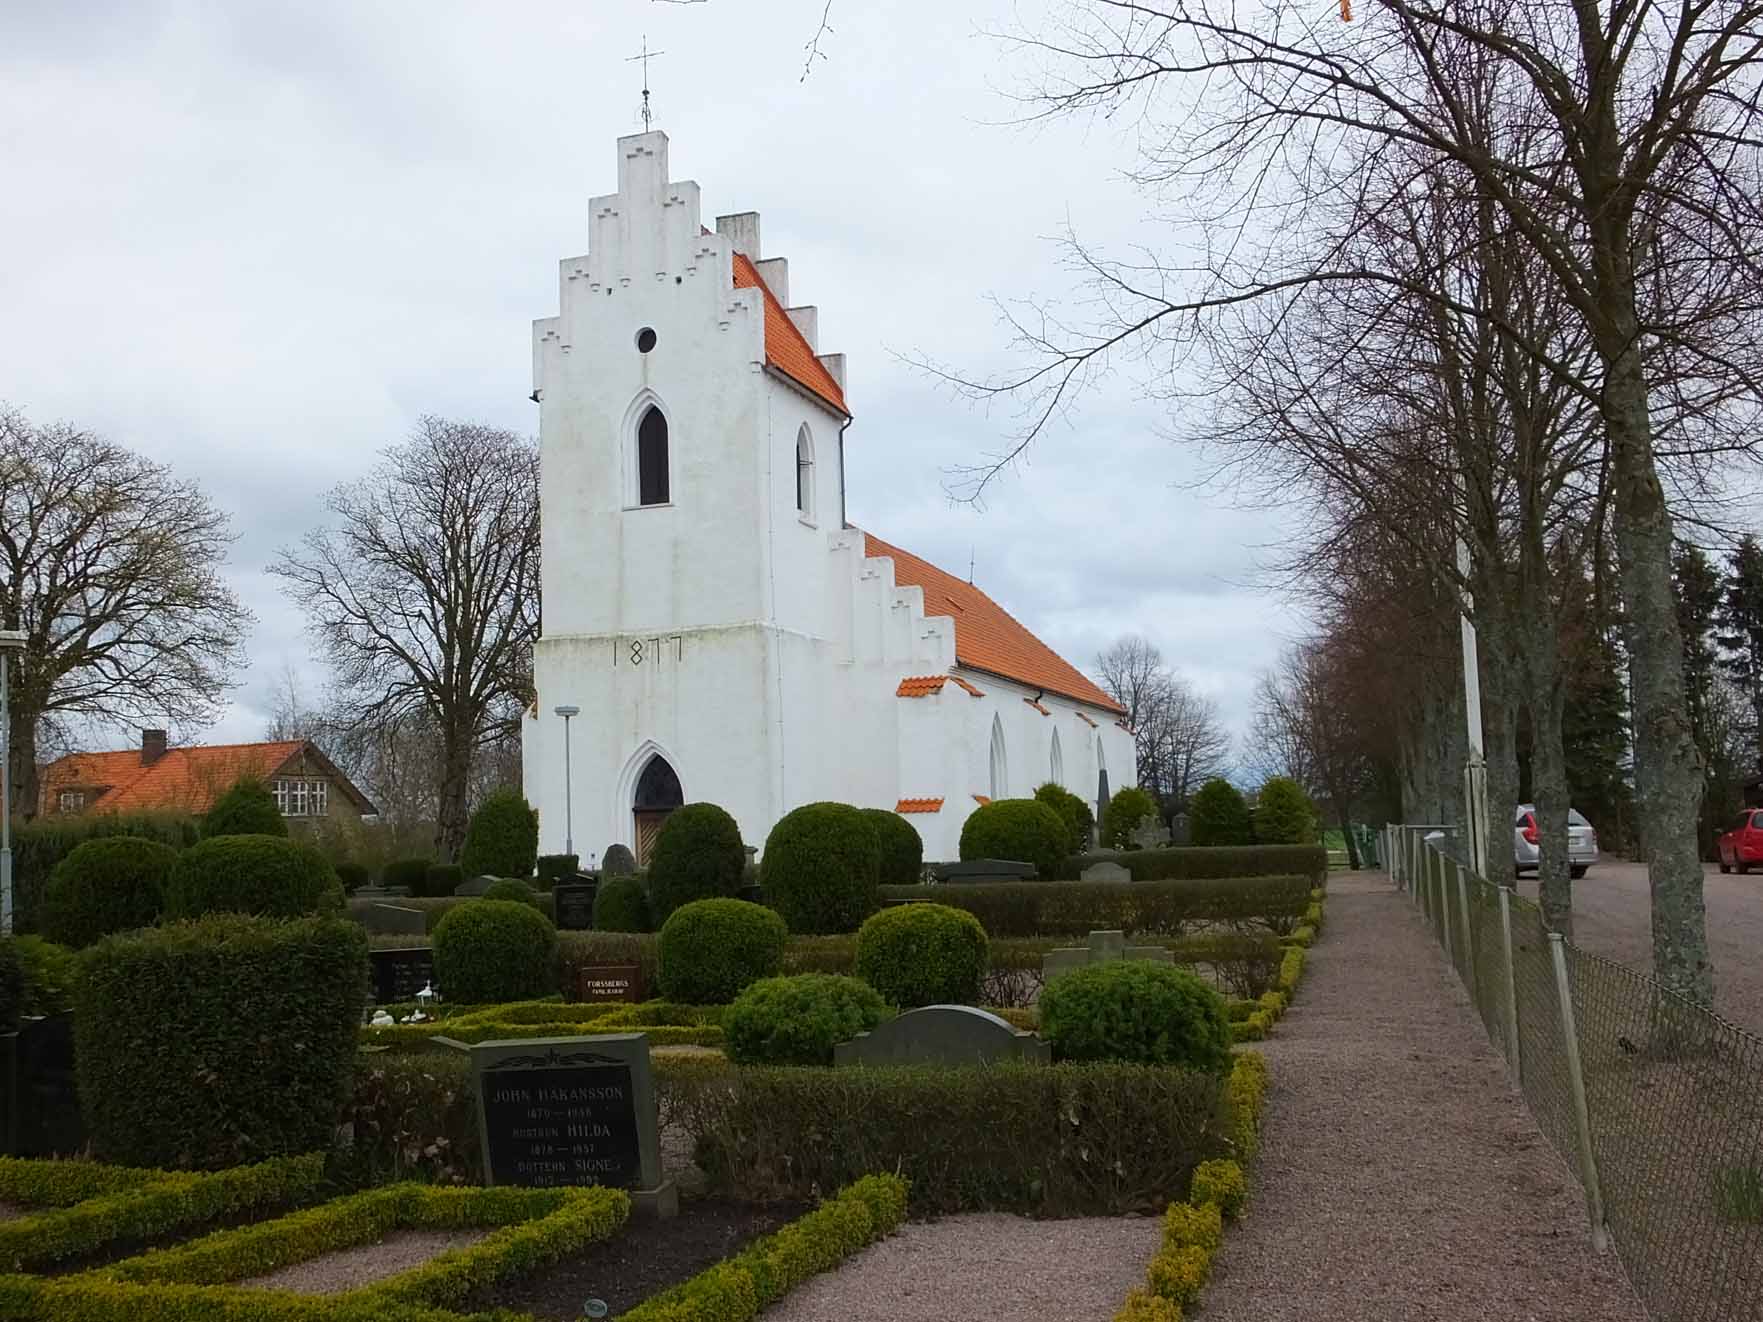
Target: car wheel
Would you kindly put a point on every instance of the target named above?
(1723, 868)
(1578, 870)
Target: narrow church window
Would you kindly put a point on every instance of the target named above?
(1056, 761)
(805, 474)
(1000, 773)
(652, 459)
(645, 340)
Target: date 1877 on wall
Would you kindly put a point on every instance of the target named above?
(653, 651)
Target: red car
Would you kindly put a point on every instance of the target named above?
(1743, 845)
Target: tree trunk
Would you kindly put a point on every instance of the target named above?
(1548, 774)
(450, 813)
(22, 746)
(1343, 808)
(1500, 689)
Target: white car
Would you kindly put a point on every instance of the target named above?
(1527, 853)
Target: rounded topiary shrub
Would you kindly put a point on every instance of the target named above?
(1129, 809)
(1022, 830)
(512, 888)
(698, 855)
(352, 876)
(923, 954)
(1218, 815)
(553, 868)
(12, 985)
(441, 880)
(621, 904)
(1138, 1012)
(502, 839)
(819, 868)
(113, 884)
(218, 1042)
(495, 950)
(256, 874)
(799, 1020)
(899, 849)
(1284, 814)
(410, 873)
(1073, 811)
(247, 808)
(712, 950)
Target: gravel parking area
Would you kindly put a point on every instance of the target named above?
(350, 1269)
(1400, 1176)
(1612, 917)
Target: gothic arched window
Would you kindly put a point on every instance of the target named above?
(652, 458)
(1056, 761)
(1000, 772)
(805, 474)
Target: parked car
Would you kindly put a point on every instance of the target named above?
(1742, 846)
(1582, 842)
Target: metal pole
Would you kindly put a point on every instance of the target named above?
(1512, 1053)
(1475, 772)
(568, 796)
(5, 795)
(1576, 1079)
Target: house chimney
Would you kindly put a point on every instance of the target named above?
(152, 746)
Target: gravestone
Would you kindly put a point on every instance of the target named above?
(572, 1110)
(1103, 946)
(572, 905)
(39, 1103)
(1105, 871)
(474, 887)
(617, 861)
(1151, 834)
(610, 982)
(380, 893)
(944, 1035)
(392, 919)
(399, 974)
(986, 869)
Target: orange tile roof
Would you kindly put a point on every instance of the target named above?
(1084, 717)
(920, 686)
(988, 637)
(188, 779)
(919, 805)
(981, 799)
(786, 348)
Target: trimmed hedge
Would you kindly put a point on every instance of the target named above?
(799, 1020)
(38, 846)
(1076, 908)
(253, 874)
(621, 904)
(742, 1287)
(1137, 1012)
(12, 986)
(50, 974)
(87, 1298)
(1186, 863)
(220, 1041)
(1219, 815)
(1023, 830)
(351, 875)
(553, 868)
(698, 855)
(502, 838)
(441, 880)
(511, 888)
(820, 867)
(710, 950)
(110, 885)
(899, 848)
(923, 954)
(245, 808)
(495, 950)
(1284, 814)
(410, 873)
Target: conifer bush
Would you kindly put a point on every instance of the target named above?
(502, 839)
(1284, 814)
(495, 950)
(1129, 809)
(621, 904)
(38, 846)
(115, 884)
(820, 866)
(1020, 830)
(246, 808)
(899, 848)
(799, 1020)
(1138, 1013)
(712, 950)
(1219, 815)
(253, 874)
(1073, 811)
(698, 855)
(553, 868)
(923, 954)
(12, 985)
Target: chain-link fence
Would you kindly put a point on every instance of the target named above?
(1655, 1103)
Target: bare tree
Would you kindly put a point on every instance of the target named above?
(112, 568)
(1179, 739)
(424, 597)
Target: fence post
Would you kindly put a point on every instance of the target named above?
(1445, 910)
(1512, 1054)
(1576, 1078)
(1468, 936)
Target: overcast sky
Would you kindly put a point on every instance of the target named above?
(254, 241)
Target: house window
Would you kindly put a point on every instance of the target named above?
(70, 801)
(652, 458)
(301, 798)
(805, 475)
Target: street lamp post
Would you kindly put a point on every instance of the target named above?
(11, 640)
(568, 816)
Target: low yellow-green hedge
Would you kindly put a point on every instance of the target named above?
(741, 1287)
(36, 1182)
(90, 1299)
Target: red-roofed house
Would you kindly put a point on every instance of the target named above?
(716, 627)
(155, 777)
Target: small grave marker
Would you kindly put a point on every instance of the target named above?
(474, 887)
(392, 919)
(1105, 871)
(1103, 946)
(610, 982)
(944, 1035)
(985, 869)
(618, 861)
(399, 974)
(572, 903)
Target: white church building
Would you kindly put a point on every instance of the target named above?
(722, 632)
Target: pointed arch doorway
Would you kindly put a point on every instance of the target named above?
(657, 794)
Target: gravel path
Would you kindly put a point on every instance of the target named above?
(1400, 1176)
(1612, 917)
(350, 1269)
(984, 1266)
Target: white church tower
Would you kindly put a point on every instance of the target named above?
(723, 633)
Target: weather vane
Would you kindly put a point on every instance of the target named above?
(645, 56)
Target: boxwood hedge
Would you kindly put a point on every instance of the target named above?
(1076, 908)
(1190, 862)
(110, 885)
(255, 874)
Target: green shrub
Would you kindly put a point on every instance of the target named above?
(710, 950)
(899, 848)
(441, 880)
(351, 875)
(224, 1040)
(1186, 863)
(109, 885)
(502, 839)
(495, 950)
(38, 846)
(259, 874)
(1284, 814)
(245, 808)
(698, 855)
(1129, 809)
(553, 868)
(923, 954)
(1219, 815)
(1137, 1012)
(1073, 811)
(511, 888)
(798, 1020)
(51, 973)
(12, 985)
(1076, 908)
(1022, 830)
(819, 868)
(410, 873)
(621, 904)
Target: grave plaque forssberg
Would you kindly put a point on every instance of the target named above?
(569, 1111)
(399, 974)
(610, 982)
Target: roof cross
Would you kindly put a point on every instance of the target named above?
(645, 55)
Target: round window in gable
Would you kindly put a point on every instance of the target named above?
(645, 340)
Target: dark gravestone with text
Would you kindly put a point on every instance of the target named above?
(399, 974)
(573, 904)
(610, 982)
